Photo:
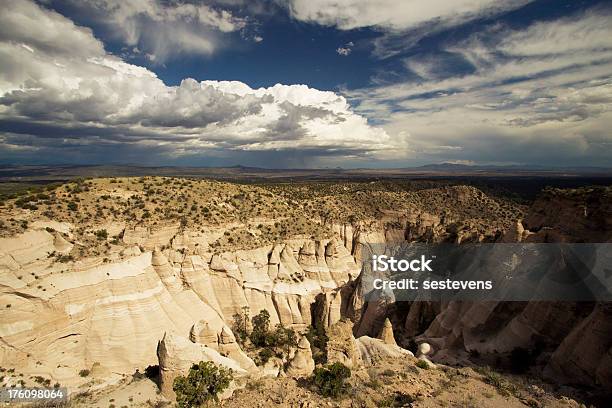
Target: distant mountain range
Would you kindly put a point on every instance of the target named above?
(9, 172)
(531, 167)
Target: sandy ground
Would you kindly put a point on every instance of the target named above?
(127, 393)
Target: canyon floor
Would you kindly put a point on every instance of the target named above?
(388, 383)
(101, 278)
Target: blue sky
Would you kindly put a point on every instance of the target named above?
(297, 52)
(362, 83)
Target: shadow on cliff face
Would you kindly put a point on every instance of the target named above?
(567, 343)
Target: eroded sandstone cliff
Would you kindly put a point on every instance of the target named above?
(154, 287)
(59, 318)
(567, 342)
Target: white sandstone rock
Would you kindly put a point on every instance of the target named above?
(302, 364)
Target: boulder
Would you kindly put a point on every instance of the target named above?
(423, 351)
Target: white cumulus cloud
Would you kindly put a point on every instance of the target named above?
(401, 23)
(162, 29)
(535, 95)
(396, 15)
(52, 98)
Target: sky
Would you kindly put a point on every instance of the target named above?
(306, 83)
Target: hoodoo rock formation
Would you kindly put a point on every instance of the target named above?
(341, 347)
(177, 354)
(168, 293)
(571, 342)
(386, 334)
(113, 313)
(302, 364)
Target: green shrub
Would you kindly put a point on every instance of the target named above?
(202, 385)
(282, 337)
(402, 400)
(264, 355)
(101, 234)
(422, 364)
(330, 380)
(318, 343)
(262, 336)
(240, 326)
(261, 328)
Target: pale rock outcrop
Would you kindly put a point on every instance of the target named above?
(302, 364)
(272, 368)
(230, 348)
(90, 311)
(386, 334)
(274, 262)
(341, 345)
(133, 250)
(149, 238)
(423, 351)
(307, 258)
(373, 350)
(193, 241)
(289, 269)
(226, 337)
(176, 356)
(340, 262)
(373, 317)
(61, 244)
(165, 271)
(346, 232)
(27, 247)
(63, 227)
(202, 333)
(516, 233)
(328, 308)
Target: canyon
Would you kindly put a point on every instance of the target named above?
(111, 291)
